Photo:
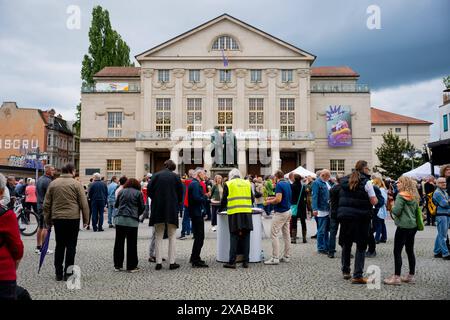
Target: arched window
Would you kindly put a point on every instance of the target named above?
(225, 43)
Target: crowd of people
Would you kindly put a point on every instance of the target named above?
(354, 206)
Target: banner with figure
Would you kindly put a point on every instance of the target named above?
(339, 126)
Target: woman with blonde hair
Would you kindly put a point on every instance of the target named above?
(404, 214)
(216, 198)
(379, 219)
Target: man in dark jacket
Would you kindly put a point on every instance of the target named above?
(197, 203)
(334, 223)
(166, 192)
(98, 194)
(41, 189)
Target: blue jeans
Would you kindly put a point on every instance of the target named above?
(111, 211)
(97, 208)
(334, 225)
(380, 230)
(323, 224)
(442, 224)
(186, 223)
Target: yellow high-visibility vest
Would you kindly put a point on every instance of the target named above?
(239, 196)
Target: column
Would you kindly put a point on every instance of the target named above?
(209, 114)
(140, 153)
(146, 103)
(310, 162)
(242, 157)
(303, 115)
(276, 161)
(207, 159)
(174, 156)
(271, 111)
(240, 108)
(177, 108)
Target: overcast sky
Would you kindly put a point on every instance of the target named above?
(403, 62)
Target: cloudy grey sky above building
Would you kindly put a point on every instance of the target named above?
(403, 62)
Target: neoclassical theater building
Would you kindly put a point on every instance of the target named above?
(227, 74)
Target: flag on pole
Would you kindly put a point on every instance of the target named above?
(44, 249)
(225, 59)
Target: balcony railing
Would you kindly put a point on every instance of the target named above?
(341, 88)
(93, 89)
(152, 135)
(297, 135)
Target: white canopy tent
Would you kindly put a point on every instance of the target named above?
(301, 171)
(421, 172)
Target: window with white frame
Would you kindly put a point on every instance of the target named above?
(225, 114)
(194, 76)
(256, 113)
(115, 124)
(49, 140)
(398, 130)
(113, 168)
(337, 166)
(225, 75)
(163, 75)
(287, 116)
(374, 130)
(286, 75)
(163, 116)
(255, 75)
(225, 43)
(194, 114)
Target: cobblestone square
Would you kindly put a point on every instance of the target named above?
(309, 275)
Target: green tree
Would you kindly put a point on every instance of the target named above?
(106, 49)
(390, 154)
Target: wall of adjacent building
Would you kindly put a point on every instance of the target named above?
(418, 135)
(361, 137)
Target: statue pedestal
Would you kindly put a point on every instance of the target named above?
(223, 171)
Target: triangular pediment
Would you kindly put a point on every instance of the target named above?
(198, 42)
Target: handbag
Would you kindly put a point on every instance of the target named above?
(294, 207)
(419, 219)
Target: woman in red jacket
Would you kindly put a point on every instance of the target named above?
(11, 249)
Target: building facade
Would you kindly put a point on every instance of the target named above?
(230, 75)
(444, 116)
(26, 131)
(413, 130)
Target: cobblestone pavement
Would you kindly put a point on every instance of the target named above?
(309, 275)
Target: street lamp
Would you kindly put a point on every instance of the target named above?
(411, 154)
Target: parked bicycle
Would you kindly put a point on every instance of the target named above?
(28, 220)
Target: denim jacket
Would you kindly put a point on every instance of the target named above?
(320, 196)
(441, 200)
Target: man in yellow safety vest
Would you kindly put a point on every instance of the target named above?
(238, 201)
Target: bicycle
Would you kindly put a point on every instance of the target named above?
(28, 220)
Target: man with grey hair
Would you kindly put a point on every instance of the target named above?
(41, 189)
(197, 202)
(98, 193)
(442, 201)
(237, 199)
(321, 209)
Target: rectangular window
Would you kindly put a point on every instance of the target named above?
(114, 124)
(49, 140)
(225, 114)
(374, 130)
(256, 113)
(194, 114)
(113, 168)
(286, 75)
(337, 167)
(225, 75)
(163, 116)
(255, 75)
(398, 130)
(194, 76)
(163, 75)
(287, 116)
(445, 119)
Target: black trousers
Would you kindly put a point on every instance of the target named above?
(371, 238)
(354, 231)
(241, 242)
(8, 290)
(66, 236)
(198, 228)
(404, 238)
(130, 234)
